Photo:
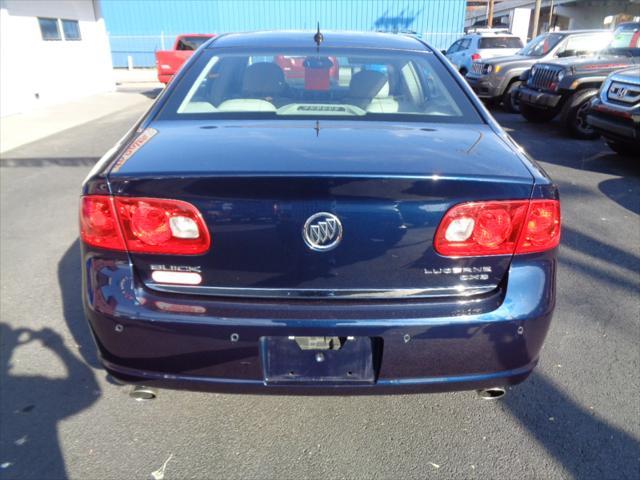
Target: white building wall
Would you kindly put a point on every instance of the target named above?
(36, 72)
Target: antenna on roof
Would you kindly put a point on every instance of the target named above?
(318, 37)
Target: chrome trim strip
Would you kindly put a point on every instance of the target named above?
(310, 293)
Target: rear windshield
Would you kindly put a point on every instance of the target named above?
(190, 43)
(500, 42)
(340, 83)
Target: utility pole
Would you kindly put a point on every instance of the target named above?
(536, 18)
(490, 15)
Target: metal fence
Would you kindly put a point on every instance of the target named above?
(138, 51)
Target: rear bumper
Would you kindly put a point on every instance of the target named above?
(541, 100)
(175, 341)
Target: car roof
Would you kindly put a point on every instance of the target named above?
(574, 32)
(629, 25)
(305, 38)
(560, 32)
(490, 34)
(209, 35)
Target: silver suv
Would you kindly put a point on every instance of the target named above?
(499, 79)
(482, 44)
(615, 111)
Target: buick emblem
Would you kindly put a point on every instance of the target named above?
(322, 232)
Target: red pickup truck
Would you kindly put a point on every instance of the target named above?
(169, 62)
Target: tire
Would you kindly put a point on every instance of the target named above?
(624, 149)
(463, 71)
(574, 115)
(510, 100)
(536, 115)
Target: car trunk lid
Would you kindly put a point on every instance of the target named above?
(388, 184)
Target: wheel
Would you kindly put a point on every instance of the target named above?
(626, 149)
(463, 71)
(574, 115)
(510, 100)
(536, 115)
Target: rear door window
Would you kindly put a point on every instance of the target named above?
(454, 48)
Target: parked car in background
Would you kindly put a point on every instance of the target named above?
(296, 67)
(566, 86)
(482, 44)
(168, 62)
(615, 111)
(382, 234)
(498, 79)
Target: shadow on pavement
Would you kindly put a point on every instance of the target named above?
(585, 445)
(153, 93)
(33, 405)
(598, 249)
(549, 142)
(623, 191)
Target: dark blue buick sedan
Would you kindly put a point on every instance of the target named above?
(326, 213)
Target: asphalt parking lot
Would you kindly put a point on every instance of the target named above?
(578, 416)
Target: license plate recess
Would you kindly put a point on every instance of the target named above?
(310, 360)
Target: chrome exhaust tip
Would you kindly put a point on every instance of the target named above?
(492, 393)
(142, 394)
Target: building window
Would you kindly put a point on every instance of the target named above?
(71, 30)
(49, 28)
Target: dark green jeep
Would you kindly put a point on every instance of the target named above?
(566, 86)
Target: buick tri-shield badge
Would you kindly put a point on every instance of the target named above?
(322, 232)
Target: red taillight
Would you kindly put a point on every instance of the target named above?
(143, 225)
(542, 228)
(475, 57)
(98, 223)
(499, 228)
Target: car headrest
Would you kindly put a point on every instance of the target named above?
(368, 84)
(263, 79)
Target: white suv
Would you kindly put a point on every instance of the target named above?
(481, 44)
